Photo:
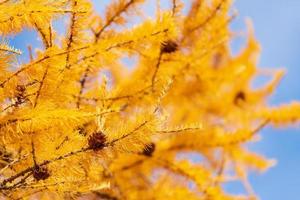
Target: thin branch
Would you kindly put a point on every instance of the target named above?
(29, 47)
(12, 163)
(105, 196)
(128, 134)
(180, 130)
(134, 164)
(142, 91)
(41, 32)
(156, 70)
(4, 1)
(46, 57)
(209, 18)
(20, 183)
(50, 35)
(72, 34)
(62, 143)
(82, 85)
(112, 19)
(174, 7)
(33, 152)
(40, 87)
(40, 11)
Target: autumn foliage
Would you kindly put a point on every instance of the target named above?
(78, 122)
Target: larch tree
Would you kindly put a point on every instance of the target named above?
(77, 122)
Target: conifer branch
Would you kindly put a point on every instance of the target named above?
(62, 133)
(6, 48)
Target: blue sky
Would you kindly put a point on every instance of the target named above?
(277, 27)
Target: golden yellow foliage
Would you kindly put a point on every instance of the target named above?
(76, 123)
